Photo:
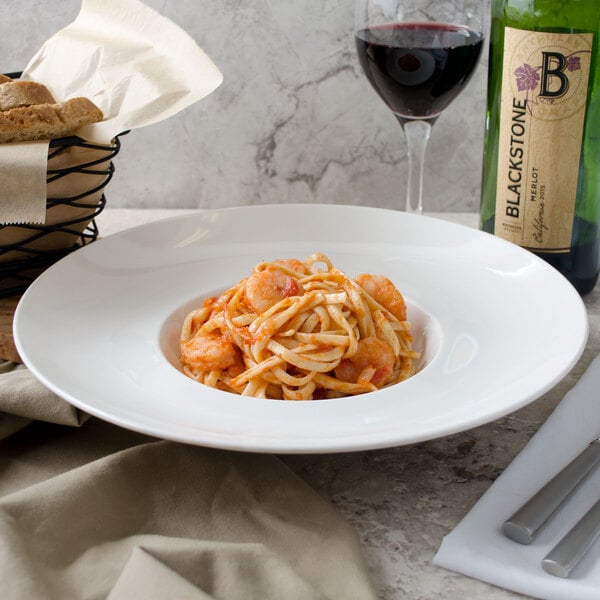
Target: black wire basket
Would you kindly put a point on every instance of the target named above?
(78, 172)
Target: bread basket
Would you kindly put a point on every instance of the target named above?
(78, 172)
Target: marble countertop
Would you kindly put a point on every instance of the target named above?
(404, 500)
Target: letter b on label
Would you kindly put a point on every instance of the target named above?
(553, 70)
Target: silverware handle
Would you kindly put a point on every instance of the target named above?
(571, 548)
(522, 526)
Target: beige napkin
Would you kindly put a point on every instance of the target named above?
(23, 169)
(97, 511)
(23, 398)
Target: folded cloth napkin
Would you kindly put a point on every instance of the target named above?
(96, 511)
(477, 547)
(24, 399)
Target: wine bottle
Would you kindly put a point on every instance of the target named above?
(541, 168)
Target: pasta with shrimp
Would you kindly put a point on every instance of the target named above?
(300, 330)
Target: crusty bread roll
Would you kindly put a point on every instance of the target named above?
(23, 93)
(28, 112)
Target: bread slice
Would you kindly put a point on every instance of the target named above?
(29, 112)
(47, 121)
(23, 93)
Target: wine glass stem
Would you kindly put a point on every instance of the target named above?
(417, 136)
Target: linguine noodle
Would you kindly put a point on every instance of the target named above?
(300, 330)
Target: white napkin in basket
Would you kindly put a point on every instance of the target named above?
(137, 66)
(477, 548)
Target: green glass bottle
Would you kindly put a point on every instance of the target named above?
(541, 168)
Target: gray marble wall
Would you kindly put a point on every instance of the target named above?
(294, 120)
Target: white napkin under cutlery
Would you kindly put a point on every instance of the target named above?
(477, 547)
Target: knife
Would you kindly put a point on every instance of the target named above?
(524, 524)
(561, 560)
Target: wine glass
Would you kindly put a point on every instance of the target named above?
(418, 55)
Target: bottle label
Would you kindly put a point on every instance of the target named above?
(544, 91)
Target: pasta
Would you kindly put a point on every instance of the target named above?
(300, 330)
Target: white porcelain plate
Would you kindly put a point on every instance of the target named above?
(497, 326)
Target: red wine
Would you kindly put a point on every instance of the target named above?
(418, 68)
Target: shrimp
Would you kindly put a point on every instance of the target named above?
(372, 362)
(210, 352)
(266, 287)
(385, 292)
